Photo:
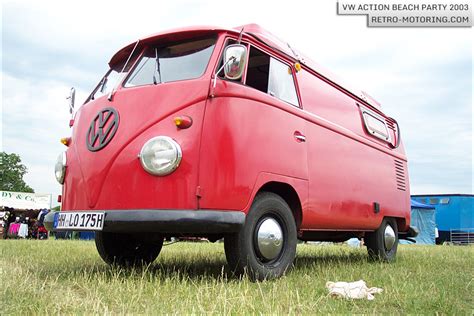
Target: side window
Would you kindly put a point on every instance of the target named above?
(271, 76)
(375, 125)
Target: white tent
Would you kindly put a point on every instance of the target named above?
(25, 201)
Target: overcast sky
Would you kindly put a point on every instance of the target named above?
(422, 76)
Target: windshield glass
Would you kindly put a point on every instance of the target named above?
(114, 75)
(108, 82)
(172, 62)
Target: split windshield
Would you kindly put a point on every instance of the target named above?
(108, 82)
(159, 64)
(173, 62)
(114, 76)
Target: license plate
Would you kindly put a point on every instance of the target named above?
(79, 220)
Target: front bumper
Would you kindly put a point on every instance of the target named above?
(167, 221)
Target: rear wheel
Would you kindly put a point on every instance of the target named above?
(382, 244)
(265, 247)
(128, 249)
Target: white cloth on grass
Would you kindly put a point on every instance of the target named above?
(354, 290)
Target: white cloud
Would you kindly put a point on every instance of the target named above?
(36, 117)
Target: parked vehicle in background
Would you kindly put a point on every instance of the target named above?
(229, 133)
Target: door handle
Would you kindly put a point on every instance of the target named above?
(299, 137)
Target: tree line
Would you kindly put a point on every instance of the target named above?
(12, 171)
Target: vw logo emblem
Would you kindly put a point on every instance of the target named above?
(102, 129)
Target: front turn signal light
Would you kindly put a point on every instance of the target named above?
(66, 141)
(183, 121)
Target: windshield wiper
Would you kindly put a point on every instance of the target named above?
(99, 87)
(111, 94)
(157, 68)
(103, 84)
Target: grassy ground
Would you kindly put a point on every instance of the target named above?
(69, 277)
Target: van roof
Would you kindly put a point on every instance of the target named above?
(254, 31)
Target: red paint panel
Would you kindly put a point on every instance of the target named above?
(346, 176)
(246, 132)
(112, 178)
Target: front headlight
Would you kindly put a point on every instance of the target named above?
(160, 155)
(60, 167)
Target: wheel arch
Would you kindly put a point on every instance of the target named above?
(287, 193)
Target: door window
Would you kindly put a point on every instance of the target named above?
(271, 76)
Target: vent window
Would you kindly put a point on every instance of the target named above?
(271, 76)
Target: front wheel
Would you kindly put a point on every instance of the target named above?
(382, 244)
(128, 249)
(265, 247)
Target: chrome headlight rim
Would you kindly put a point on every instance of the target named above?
(177, 160)
(60, 167)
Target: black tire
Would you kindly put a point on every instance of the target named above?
(375, 242)
(241, 249)
(128, 250)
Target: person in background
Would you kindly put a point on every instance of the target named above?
(41, 216)
(42, 233)
(4, 224)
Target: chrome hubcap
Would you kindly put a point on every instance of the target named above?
(269, 238)
(389, 237)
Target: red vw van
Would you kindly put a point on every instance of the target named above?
(230, 133)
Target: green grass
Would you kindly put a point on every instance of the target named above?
(67, 277)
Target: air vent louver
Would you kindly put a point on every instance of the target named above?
(391, 125)
(400, 175)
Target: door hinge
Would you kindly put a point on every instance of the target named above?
(198, 191)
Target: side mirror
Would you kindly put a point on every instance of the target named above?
(234, 57)
(71, 98)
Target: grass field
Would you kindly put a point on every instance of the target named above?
(39, 277)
